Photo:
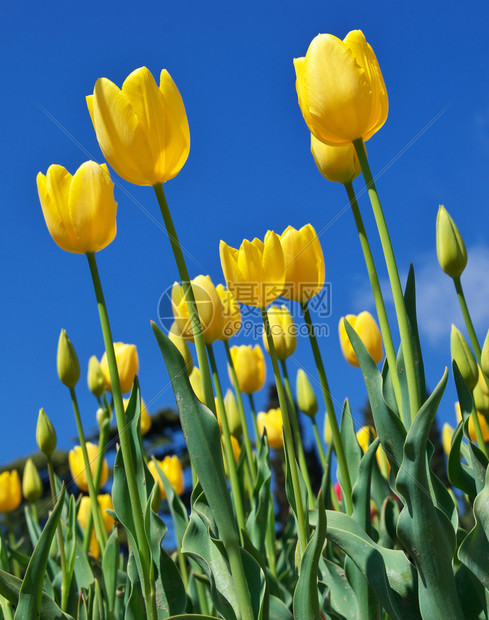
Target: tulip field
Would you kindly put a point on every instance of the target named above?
(378, 535)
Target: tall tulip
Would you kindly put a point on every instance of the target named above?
(249, 364)
(273, 423)
(172, 468)
(365, 326)
(126, 356)
(283, 330)
(77, 466)
(10, 491)
(338, 164)
(232, 313)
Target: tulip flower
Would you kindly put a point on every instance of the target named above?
(209, 308)
(95, 377)
(485, 356)
(481, 395)
(105, 503)
(365, 436)
(304, 263)
(450, 247)
(482, 421)
(446, 437)
(175, 336)
(340, 88)
(196, 383)
(10, 491)
(283, 330)
(45, 434)
(327, 432)
(172, 468)
(142, 129)
(145, 417)
(338, 164)
(79, 210)
(249, 364)
(232, 313)
(273, 423)
(31, 482)
(232, 414)
(306, 398)
(255, 273)
(77, 466)
(366, 328)
(236, 452)
(126, 356)
(67, 361)
(463, 356)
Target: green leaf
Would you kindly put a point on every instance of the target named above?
(175, 505)
(109, 569)
(257, 520)
(353, 452)
(340, 600)
(459, 474)
(34, 533)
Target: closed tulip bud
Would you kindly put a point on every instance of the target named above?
(172, 468)
(127, 360)
(77, 466)
(338, 164)
(31, 482)
(327, 432)
(306, 398)
(176, 337)
(482, 422)
(145, 417)
(232, 414)
(142, 129)
(196, 383)
(105, 503)
(340, 88)
(304, 263)
(45, 434)
(209, 307)
(103, 416)
(480, 395)
(365, 436)
(95, 377)
(485, 356)
(232, 313)
(67, 361)
(272, 422)
(463, 356)
(255, 273)
(10, 491)
(283, 330)
(79, 210)
(366, 328)
(249, 364)
(446, 438)
(450, 246)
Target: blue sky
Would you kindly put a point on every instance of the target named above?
(249, 170)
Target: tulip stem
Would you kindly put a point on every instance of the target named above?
(241, 411)
(189, 297)
(125, 442)
(255, 423)
(330, 412)
(318, 443)
(390, 260)
(289, 442)
(390, 351)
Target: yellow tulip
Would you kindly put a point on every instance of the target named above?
(327, 431)
(283, 330)
(95, 377)
(126, 356)
(10, 491)
(105, 503)
(31, 482)
(480, 395)
(196, 383)
(77, 466)
(249, 364)
(446, 437)
(304, 263)
(232, 414)
(255, 273)
(273, 423)
(79, 210)
(145, 417)
(176, 337)
(482, 421)
(236, 452)
(450, 247)
(67, 361)
(366, 328)
(365, 436)
(340, 88)
(232, 313)
(306, 398)
(142, 129)
(338, 164)
(172, 468)
(45, 434)
(209, 307)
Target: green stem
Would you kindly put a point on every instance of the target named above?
(125, 442)
(318, 442)
(228, 447)
(390, 351)
(467, 318)
(330, 412)
(241, 411)
(297, 436)
(239, 577)
(6, 606)
(289, 442)
(478, 431)
(255, 423)
(189, 297)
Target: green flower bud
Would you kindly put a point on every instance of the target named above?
(45, 434)
(103, 417)
(306, 398)
(485, 356)
(95, 377)
(31, 482)
(67, 361)
(450, 246)
(232, 415)
(464, 357)
(481, 396)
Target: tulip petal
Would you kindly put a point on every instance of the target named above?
(273, 267)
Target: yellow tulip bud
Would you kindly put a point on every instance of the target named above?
(176, 337)
(196, 383)
(365, 436)
(304, 263)
(172, 468)
(284, 332)
(340, 88)
(95, 377)
(142, 129)
(209, 307)
(255, 273)
(450, 246)
(366, 328)
(105, 503)
(31, 482)
(10, 491)
(273, 423)
(79, 210)
(77, 466)
(45, 434)
(327, 431)
(485, 356)
(127, 360)
(67, 361)
(236, 452)
(232, 313)
(338, 164)
(464, 358)
(481, 395)
(306, 398)
(482, 421)
(145, 417)
(446, 437)
(232, 414)
(249, 364)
